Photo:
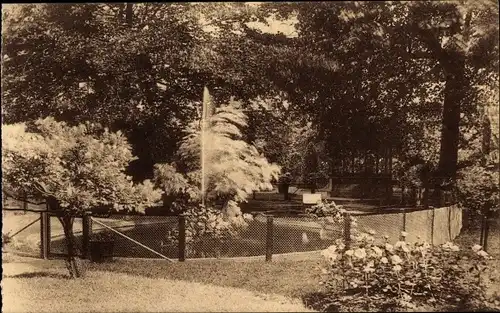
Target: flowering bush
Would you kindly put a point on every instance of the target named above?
(205, 227)
(329, 210)
(401, 276)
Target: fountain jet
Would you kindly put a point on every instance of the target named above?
(205, 116)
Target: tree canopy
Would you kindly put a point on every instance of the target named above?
(368, 76)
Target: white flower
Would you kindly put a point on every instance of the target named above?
(349, 252)
(248, 217)
(332, 248)
(396, 268)
(404, 234)
(386, 237)
(482, 253)
(455, 248)
(330, 253)
(369, 267)
(377, 250)
(396, 259)
(389, 247)
(476, 248)
(341, 246)
(372, 232)
(384, 260)
(399, 244)
(360, 253)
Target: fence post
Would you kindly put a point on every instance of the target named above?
(87, 233)
(347, 230)
(486, 232)
(269, 239)
(404, 220)
(182, 238)
(483, 224)
(25, 203)
(44, 235)
(432, 225)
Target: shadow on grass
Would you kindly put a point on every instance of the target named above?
(319, 301)
(39, 274)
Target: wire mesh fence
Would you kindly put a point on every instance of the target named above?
(137, 236)
(58, 245)
(140, 236)
(21, 232)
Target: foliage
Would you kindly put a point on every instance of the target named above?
(329, 209)
(402, 275)
(168, 179)
(90, 62)
(391, 67)
(368, 276)
(285, 178)
(74, 168)
(478, 189)
(205, 226)
(279, 132)
(233, 167)
(80, 166)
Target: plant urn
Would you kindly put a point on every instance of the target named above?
(101, 249)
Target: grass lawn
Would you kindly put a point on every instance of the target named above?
(288, 277)
(42, 286)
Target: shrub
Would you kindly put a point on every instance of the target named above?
(402, 276)
(206, 227)
(362, 275)
(478, 189)
(74, 168)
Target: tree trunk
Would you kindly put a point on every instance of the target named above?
(129, 11)
(454, 95)
(71, 262)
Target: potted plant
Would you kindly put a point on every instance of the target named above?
(283, 184)
(101, 247)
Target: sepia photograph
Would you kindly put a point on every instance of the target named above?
(277, 156)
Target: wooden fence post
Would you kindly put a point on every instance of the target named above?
(182, 238)
(483, 228)
(269, 239)
(44, 235)
(432, 225)
(404, 219)
(87, 233)
(347, 230)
